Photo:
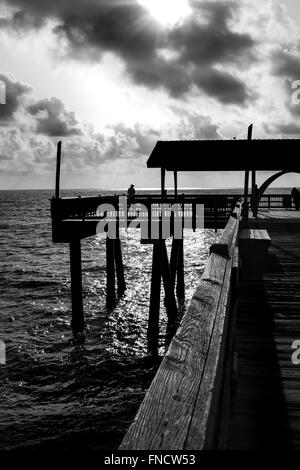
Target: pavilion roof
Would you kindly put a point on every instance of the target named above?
(226, 155)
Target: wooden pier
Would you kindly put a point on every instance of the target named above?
(228, 380)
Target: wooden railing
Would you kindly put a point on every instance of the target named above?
(219, 205)
(181, 410)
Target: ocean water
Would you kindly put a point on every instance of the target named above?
(58, 391)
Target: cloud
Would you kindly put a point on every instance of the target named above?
(30, 128)
(198, 46)
(28, 140)
(53, 119)
(285, 128)
(287, 64)
(14, 91)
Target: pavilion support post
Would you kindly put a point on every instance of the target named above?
(119, 266)
(254, 194)
(245, 205)
(58, 162)
(253, 189)
(246, 186)
(163, 180)
(175, 184)
(153, 322)
(77, 322)
(110, 273)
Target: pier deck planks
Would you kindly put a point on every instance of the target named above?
(266, 410)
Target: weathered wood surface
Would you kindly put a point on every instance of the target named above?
(255, 234)
(222, 247)
(266, 411)
(179, 410)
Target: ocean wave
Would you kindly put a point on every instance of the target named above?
(34, 284)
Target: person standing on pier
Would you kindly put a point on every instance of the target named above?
(296, 198)
(131, 191)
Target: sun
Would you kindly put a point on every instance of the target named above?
(167, 12)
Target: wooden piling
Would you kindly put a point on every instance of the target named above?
(153, 322)
(174, 260)
(180, 272)
(119, 266)
(170, 300)
(110, 273)
(77, 322)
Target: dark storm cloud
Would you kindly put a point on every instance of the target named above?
(289, 129)
(126, 29)
(14, 92)
(53, 119)
(223, 86)
(283, 128)
(286, 65)
(212, 42)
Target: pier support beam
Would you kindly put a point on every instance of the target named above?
(180, 291)
(177, 267)
(114, 266)
(119, 267)
(161, 270)
(77, 322)
(170, 300)
(153, 322)
(110, 273)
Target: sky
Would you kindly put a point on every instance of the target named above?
(111, 77)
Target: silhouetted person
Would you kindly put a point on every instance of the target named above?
(296, 198)
(131, 191)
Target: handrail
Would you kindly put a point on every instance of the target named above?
(214, 205)
(180, 409)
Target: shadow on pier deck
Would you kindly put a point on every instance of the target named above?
(266, 409)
